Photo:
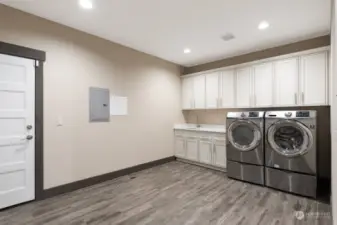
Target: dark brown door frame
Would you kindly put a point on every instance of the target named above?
(40, 58)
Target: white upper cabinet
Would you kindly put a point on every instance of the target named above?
(187, 93)
(286, 82)
(199, 89)
(243, 81)
(227, 87)
(212, 90)
(193, 92)
(298, 79)
(314, 74)
(263, 85)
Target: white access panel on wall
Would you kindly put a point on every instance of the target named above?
(17, 121)
(314, 75)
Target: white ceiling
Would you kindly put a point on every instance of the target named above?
(163, 28)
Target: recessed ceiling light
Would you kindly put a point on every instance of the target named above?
(87, 4)
(187, 50)
(263, 25)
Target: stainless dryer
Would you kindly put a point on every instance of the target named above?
(245, 146)
(290, 151)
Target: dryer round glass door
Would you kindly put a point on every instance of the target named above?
(289, 138)
(244, 135)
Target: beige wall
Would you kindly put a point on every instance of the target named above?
(76, 61)
(210, 116)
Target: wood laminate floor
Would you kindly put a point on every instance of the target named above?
(174, 193)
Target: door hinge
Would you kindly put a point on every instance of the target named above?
(37, 63)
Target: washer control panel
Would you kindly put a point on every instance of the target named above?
(303, 114)
(253, 114)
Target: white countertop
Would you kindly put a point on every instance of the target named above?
(202, 128)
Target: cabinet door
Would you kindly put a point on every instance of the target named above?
(263, 85)
(219, 156)
(187, 93)
(212, 90)
(192, 149)
(314, 79)
(227, 99)
(199, 88)
(243, 96)
(180, 147)
(205, 151)
(286, 82)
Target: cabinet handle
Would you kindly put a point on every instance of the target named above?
(205, 139)
(220, 102)
(254, 100)
(217, 102)
(192, 138)
(302, 97)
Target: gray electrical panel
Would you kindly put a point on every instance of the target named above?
(99, 104)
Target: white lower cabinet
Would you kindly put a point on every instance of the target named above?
(180, 146)
(192, 149)
(219, 153)
(205, 149)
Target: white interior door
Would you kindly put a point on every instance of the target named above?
(17, 150)
(263, 85)
(199, 89)
(227, 98)
(212, 90)
(314, 79)
(243, 93)
(286, 82)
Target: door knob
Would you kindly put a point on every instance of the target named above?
(29, 137)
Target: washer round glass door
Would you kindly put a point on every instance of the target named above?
(289, 138)
(244, 135)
